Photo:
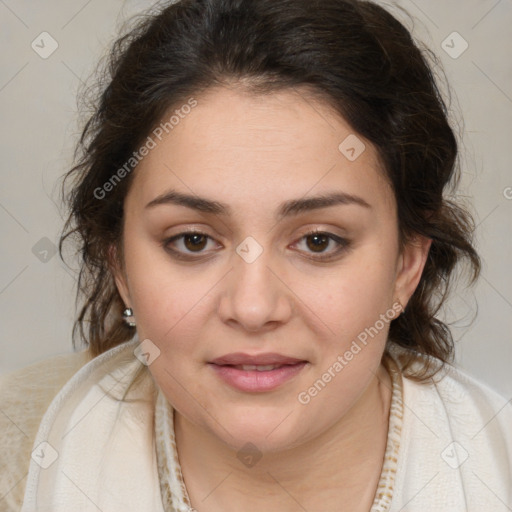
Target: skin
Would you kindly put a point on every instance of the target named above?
(253, 153)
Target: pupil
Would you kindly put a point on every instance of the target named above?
(322, 238)
(196, 241)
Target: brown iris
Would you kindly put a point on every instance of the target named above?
(197, 241)
(321, 241)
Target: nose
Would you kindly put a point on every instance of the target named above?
(255, 296)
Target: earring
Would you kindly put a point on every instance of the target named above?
(128, 317)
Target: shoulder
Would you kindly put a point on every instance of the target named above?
(457, 437)
(25, 394)
(456, 391)
(465, 400)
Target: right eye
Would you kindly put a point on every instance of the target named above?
(186, 244)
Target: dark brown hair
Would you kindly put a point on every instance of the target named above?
(353, 55)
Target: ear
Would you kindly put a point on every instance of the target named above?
(410, 265)
(119, 274)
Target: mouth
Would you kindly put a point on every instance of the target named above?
(260, 373)
(258, 368)
(265, 359)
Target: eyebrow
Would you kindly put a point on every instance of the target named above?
(286, 209)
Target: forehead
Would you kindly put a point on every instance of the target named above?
(238, 147)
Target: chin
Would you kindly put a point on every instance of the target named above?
(270, 430)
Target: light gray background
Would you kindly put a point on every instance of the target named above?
(40, 126)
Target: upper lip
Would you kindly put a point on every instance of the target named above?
(239, 358)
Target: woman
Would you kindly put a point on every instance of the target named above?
(259, 208)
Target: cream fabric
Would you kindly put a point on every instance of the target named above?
(24, 397)
(454, 448)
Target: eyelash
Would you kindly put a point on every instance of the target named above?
(343, 244)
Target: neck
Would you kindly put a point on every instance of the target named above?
(342, 465)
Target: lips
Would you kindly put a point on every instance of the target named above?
(257, 373)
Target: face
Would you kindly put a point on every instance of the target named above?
(268, 332)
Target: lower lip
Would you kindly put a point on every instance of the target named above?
(254, 380)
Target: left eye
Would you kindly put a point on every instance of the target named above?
(319, 241)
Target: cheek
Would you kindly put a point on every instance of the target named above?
(354, 296)
(356, 304)
(165, 298)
